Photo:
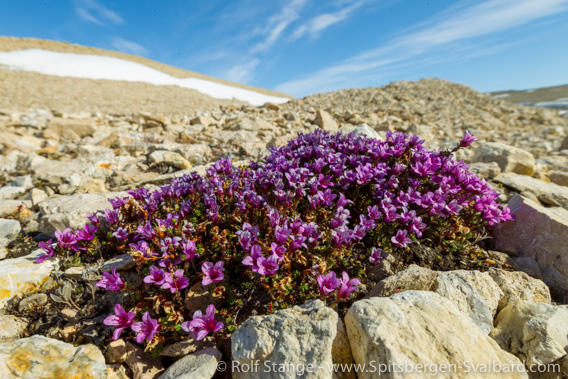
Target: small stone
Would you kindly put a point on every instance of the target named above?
(143, 365)
(9, 229)
(116, 352)
(32, 303)
(509, 158)
(200, 365)
(367, 131)
(22, 181)
(122, 262)
(11, 328)
(326, 122)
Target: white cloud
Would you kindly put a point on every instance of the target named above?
(277, 24)
(126, 46)
(455, 26)
(321, 22)
(92, 11)
(242, 73)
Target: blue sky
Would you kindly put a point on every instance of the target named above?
(302, 47)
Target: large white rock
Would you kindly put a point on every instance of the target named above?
(70, 211)
(519, 286)
(42, 357)
(22, 275)
(535, 332)
(200, 365)
(9, 229)
(420, 328)
(547, 193)
(509, 158)
(292, 338)
(541, 233)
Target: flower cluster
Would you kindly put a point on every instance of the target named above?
(322, 205)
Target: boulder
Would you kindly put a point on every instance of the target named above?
(22, 275)
(519, 286)
(292, 338)
(69, 129)
(200, 365)
(547, 243)
(325, 121)
(69, 211)
(367, 131)
(169, 158)
(559, 177)
(547, 193)
(42, 357)
(509, 158)
(11, 328)
(487, 170)
(415, 328)
(9, 229)
(535, 332)
(11, 192)
(143, 365)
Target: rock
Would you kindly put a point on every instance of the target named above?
(69, 129)
(69, 211)
(474, 293)
(518, 286)
(487, 170)
(116, 352)
(22, 275)
(326, 122)
(559, 177)
(366, 130)
(122, 262)
(528, 265)
(9, 229)
(92, 186)
(535, 332)
(117, 371)
(8, 207)
(341, 352)
(547, 244)
(183, 348)
(10, 192)
(37, 196)
(11, 328)
(202, 120)
(22, 181)
(32, 303)
(294, 336)
(547, 193)
(419, 327)
(201, 365)
(42, 357)
(170, 158)
(143, 365)
(198, 297)
(509, 158)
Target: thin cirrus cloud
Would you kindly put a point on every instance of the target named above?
(317, 24)
(96, 13)
(126, 46)
(443, 32)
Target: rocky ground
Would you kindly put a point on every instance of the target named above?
(56, 166)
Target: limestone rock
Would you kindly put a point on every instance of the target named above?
(201, 365)
(24, 181)
(535, 332)
(509, 158)
(294, 336)
(547, 243)
(143, 365)
(547, 193)
(22, 275)
(412, 278)
(519, 286)
(197, 297)
(418, 327)
(61, 127)
(11, 192)
(9, 229)
(487, 170)
(170, 158)
(116, 351)
(70, 211)
(559, 177)
(326, 122)
(42, 357)
(122, 262)
(11, 328)
(367, 131)
(32, 303)
(341, 351)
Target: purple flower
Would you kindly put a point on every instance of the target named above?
(203, 325)
(467, 140)
(146, 231)
(67, 240)
(250, 260)
(120, 318)
(328, 283)
(88, 233)
(347, 286)
(121, 234)
(400, 239)
(268, 266)
(93, 218)
(111, 281)
(49, 251)
(376, 256)
(111, 216)
(212, 273)
(146, 328)
(157, 276)
(175, 282)
(189, 250)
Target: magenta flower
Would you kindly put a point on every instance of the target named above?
(88, 233)
(268, 266)
(347, 286)
(49, 251)
(157, 276)
(67, 240)
(376, 256)
(121, 234)
(203, 325)
(175, 282)
(400, 239)
(328, 283)
(189, 250)
(120, 318)
(467, 140)
(146, 328)
(111, 281)
(212, 273)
